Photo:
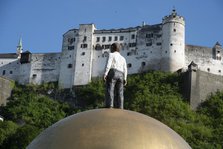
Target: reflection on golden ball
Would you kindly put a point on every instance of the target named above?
(108, 129)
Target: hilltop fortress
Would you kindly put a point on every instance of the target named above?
(85, 51)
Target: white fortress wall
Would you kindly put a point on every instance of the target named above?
(9, 67)
(44, 68)
(149, 43)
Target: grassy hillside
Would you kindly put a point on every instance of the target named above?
(33, 108)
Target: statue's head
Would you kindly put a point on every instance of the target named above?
(115, 47)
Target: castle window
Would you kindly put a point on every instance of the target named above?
(107, 46)
(174, 30)
(121, 38)
(219, 71)
(3, 72)
(133, 36)
(175, 51)
(165, 51)
(103, 39)
(109, 38)
(34, 75)
(143, 64)
(85, 38)
(83, 53)
(69, 66)
(83, 65)
(129, 65)
(149, 44)
(71, 40)
(132, 44)
(83, 45)
(98, 47)
(208, 69)
(171, 44)
(158, 35)
(11, 72)
(116, 38)
(149, 35)
(158, 43)
(129, 54)
(98, 39)
(70, 47)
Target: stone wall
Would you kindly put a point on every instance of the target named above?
(6, 87)
(199, 85)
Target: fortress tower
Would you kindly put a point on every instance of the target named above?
(173, 42)
(67, 58)
(76, 56)
(84, 55)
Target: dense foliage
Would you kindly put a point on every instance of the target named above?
(32, 108)
(29, 112)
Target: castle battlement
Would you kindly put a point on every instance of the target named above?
(173, 17)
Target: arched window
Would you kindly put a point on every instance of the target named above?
(105, 54)
(98, 47)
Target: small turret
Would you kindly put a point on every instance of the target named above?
(19, 48)
(217, 51)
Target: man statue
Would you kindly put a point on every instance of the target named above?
(115, 76)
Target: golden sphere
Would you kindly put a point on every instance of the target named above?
(108, 129)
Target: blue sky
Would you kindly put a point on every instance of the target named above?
(41, 23)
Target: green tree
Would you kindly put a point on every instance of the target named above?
(22, 137)
(213, 108)
(91, 96)
(7, 129)
(37, 110)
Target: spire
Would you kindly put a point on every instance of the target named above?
(19, 48)
(20, 42)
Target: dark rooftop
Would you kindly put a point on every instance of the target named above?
(8, 55)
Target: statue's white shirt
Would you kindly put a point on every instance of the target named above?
(118, 62)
